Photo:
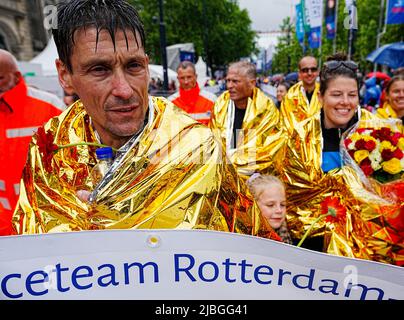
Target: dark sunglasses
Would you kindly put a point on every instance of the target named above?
(306, 70)
(334, 65)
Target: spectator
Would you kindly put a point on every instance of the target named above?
(46, 96)
(21, 114)
(247, 121)
(196, 102)
(311, 167)
(281, 91)
(301, 100)
(158, 179)
(394, 106)
(269, 192)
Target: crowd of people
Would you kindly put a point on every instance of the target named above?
(240, 162)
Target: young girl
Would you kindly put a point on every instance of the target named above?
(269, 192)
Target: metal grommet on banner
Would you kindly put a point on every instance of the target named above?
(153, 241)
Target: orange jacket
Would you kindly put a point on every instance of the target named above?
(195, 102)
(20, 116)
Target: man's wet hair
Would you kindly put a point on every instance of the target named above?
(109, 15)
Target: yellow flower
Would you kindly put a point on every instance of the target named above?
(361, 155)
(401, 143)
(369, 138)
(393, 166)
(386, 145)
(355, 137)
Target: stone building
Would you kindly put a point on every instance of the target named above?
(22, 30)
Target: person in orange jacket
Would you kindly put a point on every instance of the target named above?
(20, 116)
(196, 102)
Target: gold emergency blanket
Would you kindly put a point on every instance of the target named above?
(363, 232)
(387, 112)
(173, 177)
(296, 106)
(260, 138)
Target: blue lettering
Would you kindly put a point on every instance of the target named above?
(281, 273)
(110, 275)
(76, 276)
(29, 282)
(4, 286)
(178, 269)
(141, 268)
(365, 291)
(227, 265)
(243, 266)
(267, 271)
(310, 278)
(215, 268)
(333, 287)
(59, 270)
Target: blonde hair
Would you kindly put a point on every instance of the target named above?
(257, 183)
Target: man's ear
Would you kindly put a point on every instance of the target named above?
(65, 78)
(253, 82)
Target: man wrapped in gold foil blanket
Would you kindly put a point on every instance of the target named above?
(247, 121)
(169, 170)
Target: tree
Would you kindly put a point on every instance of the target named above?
(221, 23)
(364, 42)
(288, 49)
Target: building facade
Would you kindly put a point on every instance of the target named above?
(22, 30)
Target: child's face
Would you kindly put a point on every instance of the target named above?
(272, 203)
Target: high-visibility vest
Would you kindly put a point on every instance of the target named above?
(199, 108)
(20, 117)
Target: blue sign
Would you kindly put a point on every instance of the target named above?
(330, 12)
(395, 12)
(299, 24)
(187, 56)
(315, 37)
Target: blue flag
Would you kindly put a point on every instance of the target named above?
(395, 12)
(330, 12)
(299, 23)
(315, 37)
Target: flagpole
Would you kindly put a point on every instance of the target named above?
(379, 33)
(321, 32)
(353, 25)
(334, 45)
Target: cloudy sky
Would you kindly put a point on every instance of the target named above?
(267, 15)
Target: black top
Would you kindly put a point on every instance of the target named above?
(237, 124)
(309, 95)
(332, 137)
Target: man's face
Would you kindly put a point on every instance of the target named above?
(308, 71)
(187, 78)
(239, 85)
(8, 77)
(112, 83)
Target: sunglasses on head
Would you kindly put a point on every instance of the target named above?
(306, 70)
(334, 65)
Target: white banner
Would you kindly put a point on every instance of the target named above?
(183, 265)
(314, 10)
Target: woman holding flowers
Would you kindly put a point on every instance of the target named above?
(314, 173)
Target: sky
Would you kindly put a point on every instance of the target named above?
(267, 15)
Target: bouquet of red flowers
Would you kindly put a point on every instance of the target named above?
(375, 150)
(379, 152)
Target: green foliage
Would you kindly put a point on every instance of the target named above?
(288, 50)
(226, 28)
(364, 41)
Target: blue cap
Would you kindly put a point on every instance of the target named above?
(104, 153)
